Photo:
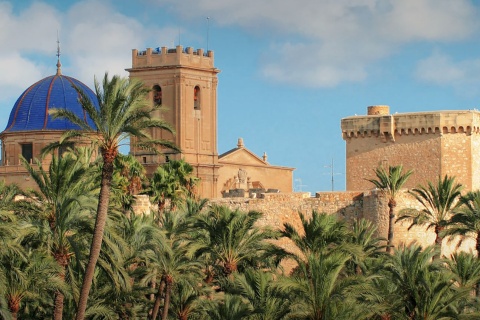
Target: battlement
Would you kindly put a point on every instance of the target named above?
(389, 126)
(163, 57)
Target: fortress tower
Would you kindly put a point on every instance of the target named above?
(184, 83)
(431, 143)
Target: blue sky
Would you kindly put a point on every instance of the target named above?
(290, 70)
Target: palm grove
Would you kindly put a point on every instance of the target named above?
(75, 248)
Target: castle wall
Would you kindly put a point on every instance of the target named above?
(456, 157)
(420, 152)
(281, 208)
(433, 144)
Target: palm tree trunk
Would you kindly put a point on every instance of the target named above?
(391, 222)
(58, 307)
(168, 291)
(62, 260)
(156, 306)
(438, 241)
(14, 307)
(97, 239)
(477, 247)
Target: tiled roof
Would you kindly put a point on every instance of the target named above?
(30, 112)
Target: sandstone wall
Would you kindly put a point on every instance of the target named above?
(281, 208)
(420, 152)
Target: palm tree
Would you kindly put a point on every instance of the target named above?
(466, 221)
(390, 183)
(188, 302)
(172, 262)
(427, 290)
(64, 200)
(363, 235)
(320, 291)
(438, 203)
(31, 278)
(123, 110)
(260, 289)
(321, 232)
(231, 307)
(466, 269)
(173, 181)
(231, 240)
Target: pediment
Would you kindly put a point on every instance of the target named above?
(241, 156)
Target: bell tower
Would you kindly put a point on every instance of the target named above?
(184, 83)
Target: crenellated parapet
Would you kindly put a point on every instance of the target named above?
(388, 126)
(178, 56)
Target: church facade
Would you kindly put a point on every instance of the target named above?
(184, 83)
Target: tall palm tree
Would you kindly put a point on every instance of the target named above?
(173, 263)
(438, 204)
(123, 110)
(65, 201)
(390, 182)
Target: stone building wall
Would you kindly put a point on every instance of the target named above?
(281, 208)
(431, 143)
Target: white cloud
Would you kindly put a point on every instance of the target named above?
(441, 69)
(341, 38)
(94, 38)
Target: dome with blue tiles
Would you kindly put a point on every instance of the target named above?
(30, 112)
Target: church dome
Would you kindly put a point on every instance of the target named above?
(30, 112)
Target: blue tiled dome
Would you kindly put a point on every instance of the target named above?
(30, 112)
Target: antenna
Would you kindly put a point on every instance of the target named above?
(299, 186)
(208, 30)
(332, 173)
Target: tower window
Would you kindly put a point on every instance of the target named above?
(196, 98)
(157, 95)
(27, 151)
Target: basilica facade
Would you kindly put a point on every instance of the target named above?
(183, 82)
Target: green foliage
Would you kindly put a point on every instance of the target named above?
(438, 204)
(197, 261)
(390, 181)
(173, 181)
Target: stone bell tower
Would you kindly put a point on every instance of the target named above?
(184, 83)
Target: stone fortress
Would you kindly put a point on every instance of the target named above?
(184, 81)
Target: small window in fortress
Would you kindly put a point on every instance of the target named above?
(196, 98)
(27, 151)
(157, 95)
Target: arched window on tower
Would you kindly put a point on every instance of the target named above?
(157, 95)
(196, 98)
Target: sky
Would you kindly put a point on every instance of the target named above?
(290, 70)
